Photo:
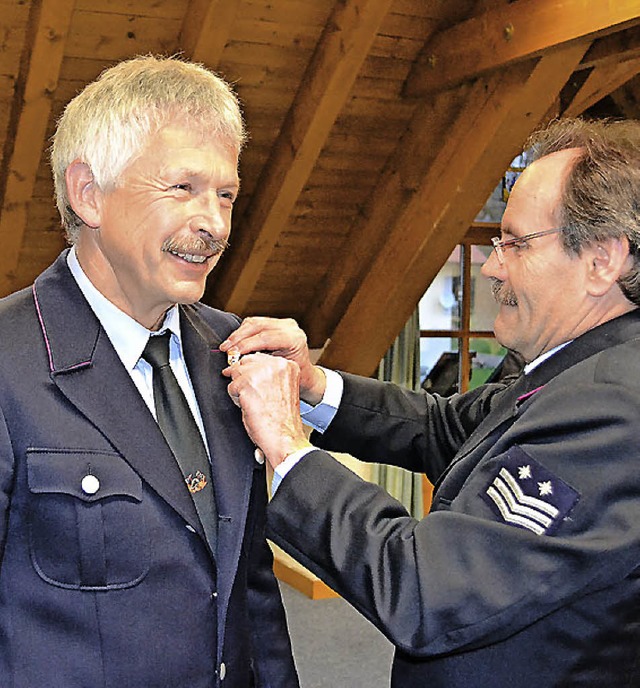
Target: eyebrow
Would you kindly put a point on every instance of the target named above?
(189, 172)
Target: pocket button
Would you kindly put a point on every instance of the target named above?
(90, 484)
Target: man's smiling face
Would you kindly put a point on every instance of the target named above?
(541, 289)
(160, 232)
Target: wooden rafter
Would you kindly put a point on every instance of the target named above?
(602, 80)
(206, 29)
(342, 49)
(498, 116)
(509, 34)
(395, 190)
(617, 47)
(626, 100)
(50, 23)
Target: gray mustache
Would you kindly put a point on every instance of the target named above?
(501, 294)
(197, 245)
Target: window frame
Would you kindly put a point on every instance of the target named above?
(478, 234)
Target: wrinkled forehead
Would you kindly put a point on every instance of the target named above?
(205, 128)
(181, 142)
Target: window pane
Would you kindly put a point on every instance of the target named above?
(486, 356)
(439, 364)
(440, 306)
(483, 306)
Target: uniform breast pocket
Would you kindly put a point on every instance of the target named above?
(86, 518)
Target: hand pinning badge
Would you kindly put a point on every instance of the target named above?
(233, 357)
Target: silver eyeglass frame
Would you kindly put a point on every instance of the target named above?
(500, 245)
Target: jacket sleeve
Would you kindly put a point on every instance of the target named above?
(464, 576)
(382, 422)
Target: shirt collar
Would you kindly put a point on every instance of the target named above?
(127, 335)
(543, 357)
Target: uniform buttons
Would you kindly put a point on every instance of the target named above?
(90, 484)
(214, 595)
(259, 455)
(190, 528)
(223, 671)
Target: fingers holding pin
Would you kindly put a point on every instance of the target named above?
(233, 357)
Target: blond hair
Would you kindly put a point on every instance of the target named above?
(109, 122)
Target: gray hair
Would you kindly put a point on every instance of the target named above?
(601, 197)
(109, 122)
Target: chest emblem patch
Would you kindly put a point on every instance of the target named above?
(525, 494)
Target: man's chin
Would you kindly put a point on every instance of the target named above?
(504, 326)
(188, 292)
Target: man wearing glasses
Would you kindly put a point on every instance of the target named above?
(526, 572)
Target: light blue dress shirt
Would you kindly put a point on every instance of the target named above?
(129, 338)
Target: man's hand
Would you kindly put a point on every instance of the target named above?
(280, 337)
(266, 389)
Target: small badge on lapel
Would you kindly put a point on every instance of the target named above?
(196, 482)
(525, 494)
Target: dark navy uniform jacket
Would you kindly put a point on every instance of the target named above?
(115, 586)
(526, 572)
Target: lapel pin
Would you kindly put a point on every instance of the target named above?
(233, 356)
(196, 482)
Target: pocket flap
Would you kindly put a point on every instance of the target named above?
(86, 475)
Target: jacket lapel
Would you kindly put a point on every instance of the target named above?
(228, 442)
(87, 370)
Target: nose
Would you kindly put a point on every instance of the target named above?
(491, 266)
(212, 216)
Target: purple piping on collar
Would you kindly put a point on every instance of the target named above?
(524, 397)
(44, 329)
(46, 336)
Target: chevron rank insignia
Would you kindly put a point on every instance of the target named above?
(523, 493)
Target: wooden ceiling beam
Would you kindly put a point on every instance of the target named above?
(40, 72)
(602, 81)
(626, 100)
(395, 191)
(505, 35)
(332, 70)
(205, 30)
(616, 47)
(500, 113)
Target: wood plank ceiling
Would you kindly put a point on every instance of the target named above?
(378, 130)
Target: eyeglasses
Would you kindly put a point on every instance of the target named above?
(500, 244)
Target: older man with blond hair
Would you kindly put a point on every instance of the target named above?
(132, 547)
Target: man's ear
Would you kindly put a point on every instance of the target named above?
(607, 261)
(83, 193)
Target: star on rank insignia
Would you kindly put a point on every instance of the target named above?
(525, 494)
(545, 488)
(524, 472)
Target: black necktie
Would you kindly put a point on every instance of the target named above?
(181, 432)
